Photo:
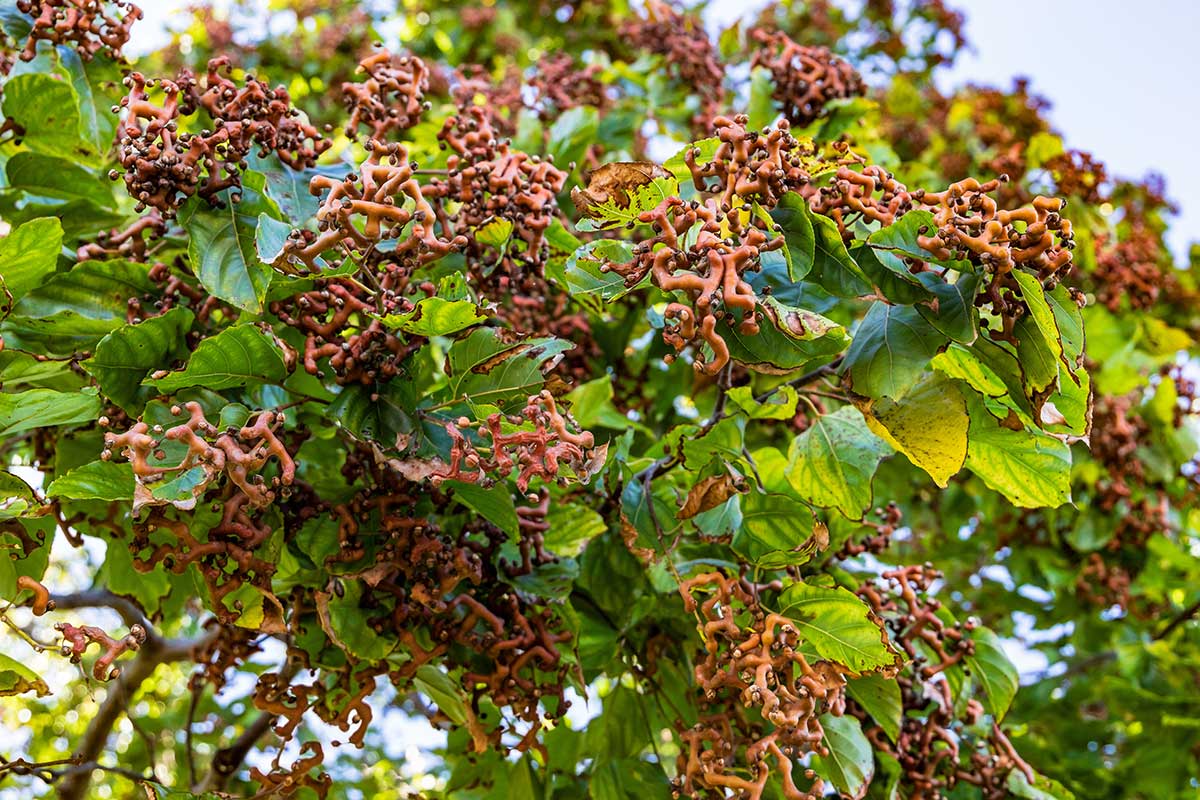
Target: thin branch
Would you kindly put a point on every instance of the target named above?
(153, 653)
(128, 610)
(1188, 613)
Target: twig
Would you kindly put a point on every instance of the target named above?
(1183, 617)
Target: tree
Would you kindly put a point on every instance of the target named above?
(751, 390)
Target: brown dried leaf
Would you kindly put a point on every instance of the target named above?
(614, 182)
(708, 493)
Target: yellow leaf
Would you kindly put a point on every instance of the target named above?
(929, 426)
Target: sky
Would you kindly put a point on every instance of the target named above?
(1123, 79)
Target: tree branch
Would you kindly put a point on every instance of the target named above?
(154, 652)
(129, 611)
(1188, 613)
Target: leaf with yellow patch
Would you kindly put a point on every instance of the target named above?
(929, 426)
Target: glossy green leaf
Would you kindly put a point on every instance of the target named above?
(892, 346)
(838, 627)
(29, 254)
(490, 370)
(443, 691)
(850, 765)
(1032, 470)
(236, 356)
(127, 355)
(788, 338)
(223, 252)
(777, 531)
(880, 697)
(795, 220)
(99, 480)
(434, 316)
(45, 408)
(995, 672)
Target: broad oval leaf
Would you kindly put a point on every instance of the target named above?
(850, 765)
(236, 356)
(892, 346)
(995, 672)
(832, 463)
(98, 480)
(127, 355)
(837, 626)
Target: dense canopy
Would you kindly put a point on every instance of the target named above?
(565, 399)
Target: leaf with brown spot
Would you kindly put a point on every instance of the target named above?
(708, 493)
(614, 182)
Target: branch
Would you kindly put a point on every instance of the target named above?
(1184, 616)
(154, 652)
(129, 611)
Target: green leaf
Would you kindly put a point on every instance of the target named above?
(488, 370)
(778, 531)
(590, 285)
(997, 676)
(270, 236)
(98, 480)
(45, 408)
(832, 463)
(964, 365)
(572, 526)
(1042, 788)
(781, 404)
(1033, 470)
(437, 685)
(236, 356)
(761, 109)
(624, 208)
(379, 414)
(890, 275)
(1039, 310)
(592, 406)
(48, 110)
(929, 427)
(572, 133)
(706, 149)
(892, 347)
(495, 232)
(59, 178)
(434, 316)
(794, 218)
(880, 697)
(29, 254)
(72, 311)
(788, 339)
(16, 678)
(956, 315)
(127, 355)
(850, 765)
(837, 626)
(494, 504)
(902, 234)
(343, 620)
(833, 268)
(223, 251)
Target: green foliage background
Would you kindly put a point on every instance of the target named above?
(1070, 538)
